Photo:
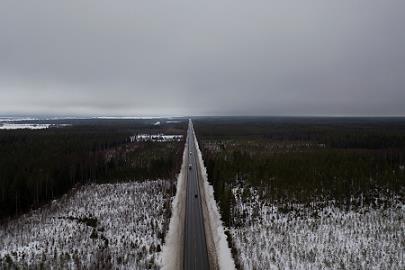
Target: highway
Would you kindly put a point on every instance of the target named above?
(195, 247)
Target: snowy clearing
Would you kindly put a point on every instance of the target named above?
(30, 126)
(12, 119)
(24, 126)
(318, 237)
(118, 226)
(156, 138)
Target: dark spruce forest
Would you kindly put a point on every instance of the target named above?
(37, 166)
(350, 161)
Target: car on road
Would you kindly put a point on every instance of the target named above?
(190, 167)
(195, 195)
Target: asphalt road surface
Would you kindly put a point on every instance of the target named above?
(195, 246)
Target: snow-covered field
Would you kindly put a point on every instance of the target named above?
(29, 126)
(119, 226)
(317, 237)
(23, 126)
(156, 138)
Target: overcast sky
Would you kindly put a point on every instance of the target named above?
(211, 57)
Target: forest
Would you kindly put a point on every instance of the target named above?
(37, 166)
(303, 160)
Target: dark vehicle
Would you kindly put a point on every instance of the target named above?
(195, 195)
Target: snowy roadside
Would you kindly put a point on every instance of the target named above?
(213, 224)
(172, 257)
(118, 226)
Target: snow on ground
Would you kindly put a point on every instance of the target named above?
(29, 126)
(172, 258)
(23, 126)
(172, 251)
(156, 138)
(12, 119)
(317, 238)
(223, 253)
(118, 226)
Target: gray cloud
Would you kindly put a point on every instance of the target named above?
(202, 57)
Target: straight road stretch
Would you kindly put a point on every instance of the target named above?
(195, 245)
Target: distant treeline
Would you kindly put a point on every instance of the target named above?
(37, 166)
(366, 133)
(304, 161)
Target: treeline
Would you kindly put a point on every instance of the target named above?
(357, 161)
(366, 133)
(37, 166)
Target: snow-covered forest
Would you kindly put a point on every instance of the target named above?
(38, 166)
(309, 193)
(119, 226)
(316, 236)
